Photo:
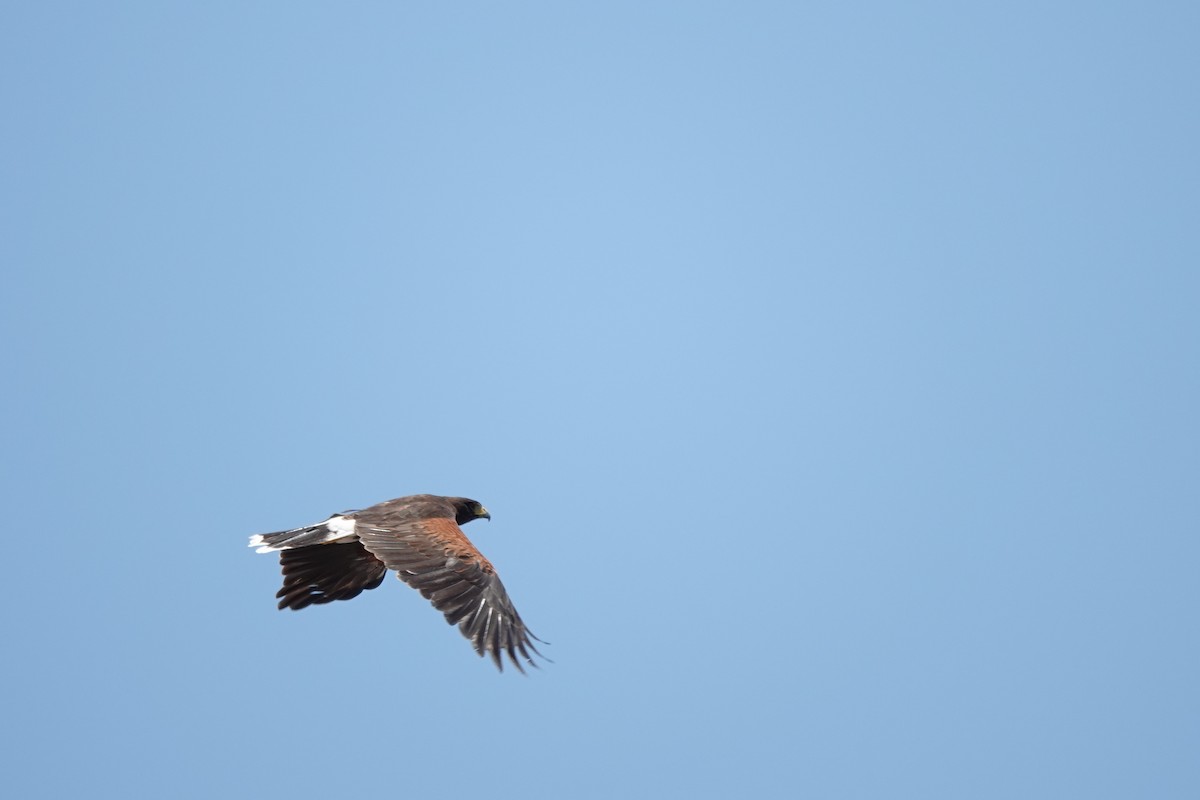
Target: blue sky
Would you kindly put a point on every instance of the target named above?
(830, 371)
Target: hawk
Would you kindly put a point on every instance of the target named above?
(419, 538)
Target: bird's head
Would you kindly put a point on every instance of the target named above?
(466, 510)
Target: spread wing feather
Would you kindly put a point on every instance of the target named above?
(322, 573)
(434, 557)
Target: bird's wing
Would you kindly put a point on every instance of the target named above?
(434, 557)
(323, 573)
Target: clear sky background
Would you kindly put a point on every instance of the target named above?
(831, 371)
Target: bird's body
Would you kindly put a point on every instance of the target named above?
(420, 539)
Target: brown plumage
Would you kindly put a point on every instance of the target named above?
(419, 538)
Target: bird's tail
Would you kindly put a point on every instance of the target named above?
(296, 537)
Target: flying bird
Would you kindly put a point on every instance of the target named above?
(419, 538)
